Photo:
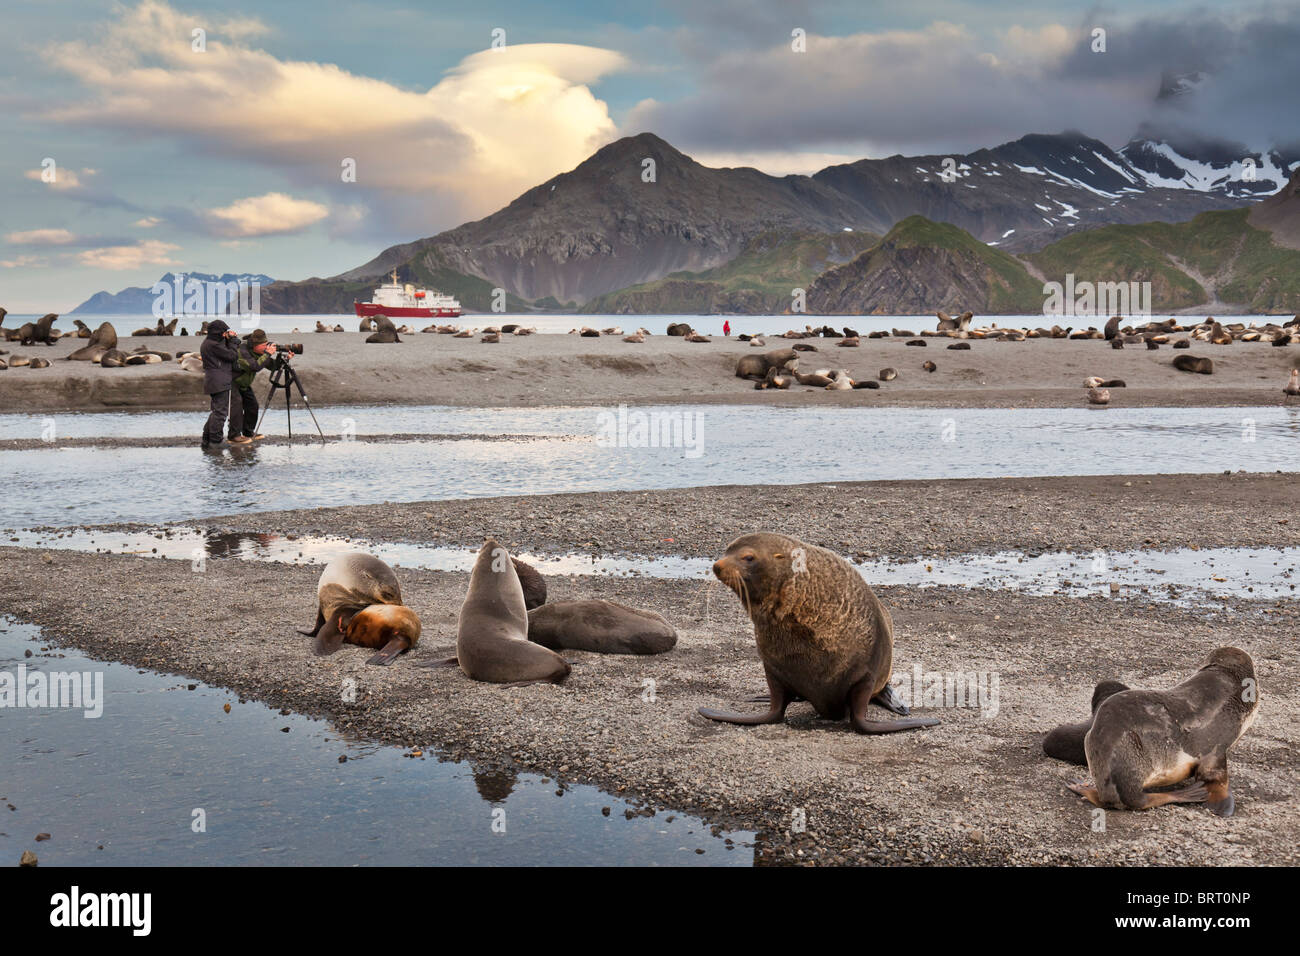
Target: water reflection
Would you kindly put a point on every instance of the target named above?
(122, 789)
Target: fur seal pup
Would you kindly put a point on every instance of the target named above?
(959, 346)
(821, 632)
(492, 634)
(101, 340)
(112, 358)
(804, 347)
(1193, 363)
(1098, 396)
(929, 366)
(1066, 741)
(1146, 738)
(1293, 383)
(887, 374)
(359, 601)
(601, 626)
(819, 379)
(39, 363)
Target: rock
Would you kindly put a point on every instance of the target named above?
(27, 859)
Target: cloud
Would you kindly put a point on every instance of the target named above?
(147, 222)
(147, 252)
(22, 262)
(495, 125)
(269, 215)
(42, 237)
(64, 179)
(945, 87)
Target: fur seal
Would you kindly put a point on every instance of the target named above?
(601, 626)
(821, 632)
(929, 366)
(1146, 738)
(887, 374)
(101, 340)
(1193, 363)
(492, 634)
(756, 367)
(1112, 328)
(359, 601)
(1098, 396)
(385, 332)
(1066, 741)
(849, 342)
(39, 333)
(1293, 383)
(959, 346)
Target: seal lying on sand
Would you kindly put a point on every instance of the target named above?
(1147, 738)
(822, 634)
(359, 601)
(492, 634)
(101, 340)
(600, 626)
(756, 367)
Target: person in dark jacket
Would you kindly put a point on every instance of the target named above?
(219, 354)
(255, 354)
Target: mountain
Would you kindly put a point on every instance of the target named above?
(608, 226)
(135, 300)
(761, 278)
(1244, 258)
(920, 266)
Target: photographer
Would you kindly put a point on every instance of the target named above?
(255, 354)
(219, 354)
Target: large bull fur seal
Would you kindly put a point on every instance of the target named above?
(822, 634)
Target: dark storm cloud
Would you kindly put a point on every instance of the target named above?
(943, 87)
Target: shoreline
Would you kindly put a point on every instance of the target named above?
(975, 790)
(568, 370)
(867, 519)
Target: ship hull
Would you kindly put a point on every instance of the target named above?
(401, 312)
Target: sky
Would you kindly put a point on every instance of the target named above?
(300, 139)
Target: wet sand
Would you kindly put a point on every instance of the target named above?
(977, 789)
(893, 519)
(339, 368)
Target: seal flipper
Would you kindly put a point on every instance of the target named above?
(328, 640)
(860, 697)
(889, 699)
(441, 662)
(777, 694)
(320, 622)
(390, 652)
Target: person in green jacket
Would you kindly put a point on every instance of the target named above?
(255, 354)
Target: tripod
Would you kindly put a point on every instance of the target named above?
(283, 377)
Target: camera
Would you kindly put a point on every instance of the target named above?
(294, 347)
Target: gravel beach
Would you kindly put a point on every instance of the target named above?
(977, 789)
(339, 368)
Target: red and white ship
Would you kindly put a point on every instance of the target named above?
(405, 301)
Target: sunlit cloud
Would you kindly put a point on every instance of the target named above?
(498, 123)
(269, 215)
(147, 252)
(41, 237)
